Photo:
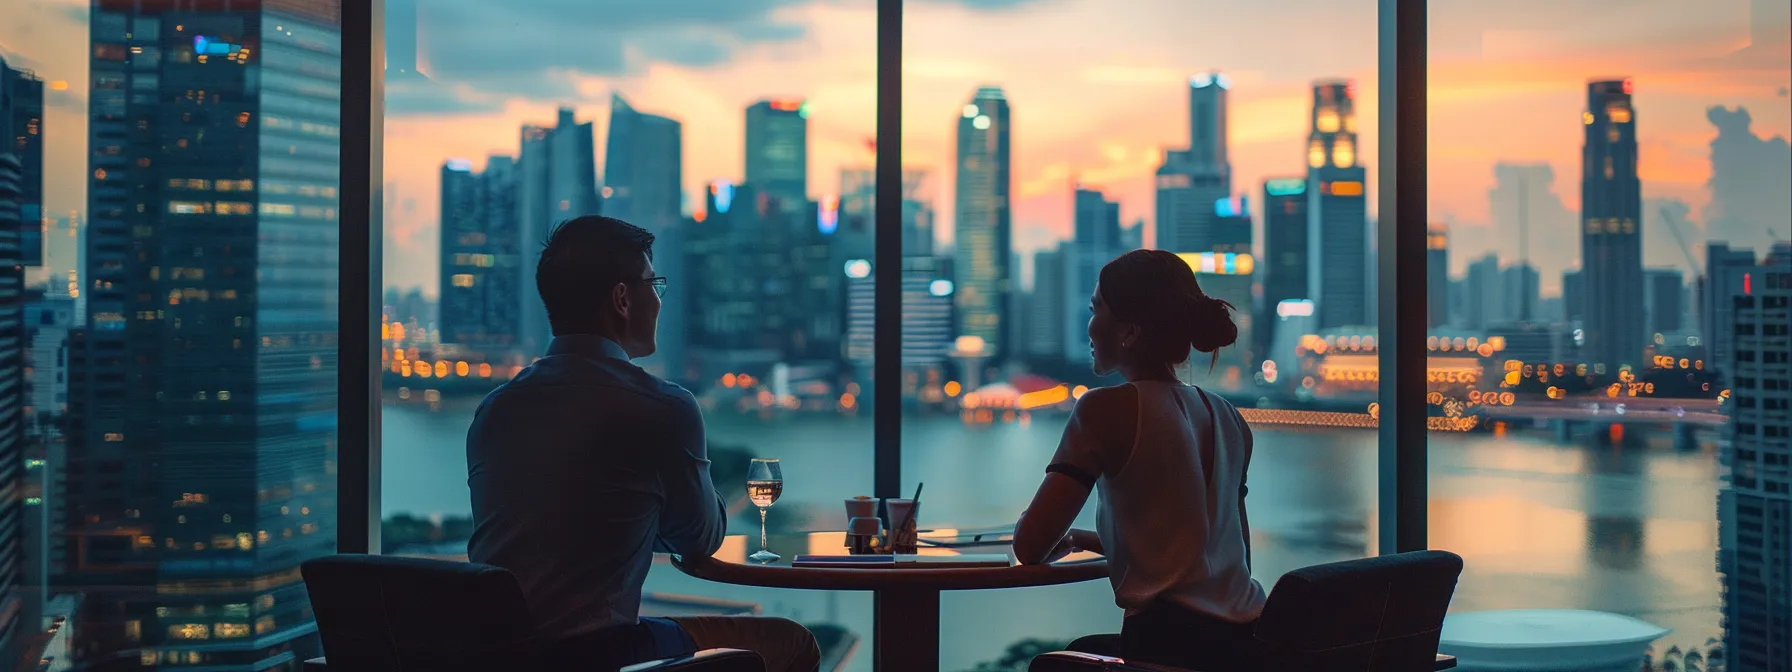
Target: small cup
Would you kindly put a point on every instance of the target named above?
(860, 507)
(903, 515)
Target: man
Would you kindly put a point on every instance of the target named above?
(583, 465)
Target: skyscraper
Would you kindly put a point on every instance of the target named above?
(203, 428)
(557, 181)
(477, 306)
(1232, 225)
(1725, 271)
(1045, 305)
(1340, 267)
(1574, 296)
(764, 287)
(643, 167)
(22, 99)
(778, 148)
(1285, 236)
(1096, 220)
(1484, 298)
(1207, 124)
(1611, 227)
(1096, 241)
(1190, 180)
(1755, 537)
(926, 316)
(21, 195)
(48, 324)
(983, 234)
(1662, 299)
(1520, 290)
(1437, 276)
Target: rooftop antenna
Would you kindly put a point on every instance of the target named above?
(1524, 250)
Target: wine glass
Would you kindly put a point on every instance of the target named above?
(765, 481)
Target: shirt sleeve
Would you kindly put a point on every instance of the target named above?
(693, 520)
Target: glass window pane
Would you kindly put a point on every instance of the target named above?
(724, 134)
(1603, 201)
(168, 326)
(1247, 152)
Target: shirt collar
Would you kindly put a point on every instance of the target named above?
(589, 345)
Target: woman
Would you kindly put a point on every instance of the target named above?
(1168, 461)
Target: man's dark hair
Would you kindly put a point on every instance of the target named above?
(581, 261)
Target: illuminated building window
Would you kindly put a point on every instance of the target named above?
(188, 207)
(1343, 153)
(1611, 134)
(462, 280)
(189, 631)
(235, 208)
(1326, 120)
(287, 209)
(231, 630)
(1630, 226)
(1315, 153)
(1618, 114)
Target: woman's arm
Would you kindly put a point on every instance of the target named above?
(1043, 525)
(1104, 417)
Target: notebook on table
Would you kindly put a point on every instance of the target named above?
(988, 536)
(904, 561)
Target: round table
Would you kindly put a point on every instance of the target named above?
(906, 608)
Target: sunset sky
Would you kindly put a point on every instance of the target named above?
(1098, 89)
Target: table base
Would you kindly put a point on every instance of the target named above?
(906, 624)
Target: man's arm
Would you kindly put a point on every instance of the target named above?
(693, 520)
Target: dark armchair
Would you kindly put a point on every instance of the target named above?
(1381, 614)
(380, 613)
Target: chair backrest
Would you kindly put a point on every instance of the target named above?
(396, 614)
(1381, 614)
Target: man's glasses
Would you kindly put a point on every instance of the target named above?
(658, 283)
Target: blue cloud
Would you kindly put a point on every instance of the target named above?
(530, 50)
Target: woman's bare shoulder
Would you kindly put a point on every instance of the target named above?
(1111, 413)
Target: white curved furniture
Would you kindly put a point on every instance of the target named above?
(1564, 640)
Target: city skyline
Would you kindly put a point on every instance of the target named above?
(1109, 128)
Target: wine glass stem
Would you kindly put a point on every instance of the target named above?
(761, 528)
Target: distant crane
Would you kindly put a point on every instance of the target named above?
(1691, 263)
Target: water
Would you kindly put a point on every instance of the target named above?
(1540, 524)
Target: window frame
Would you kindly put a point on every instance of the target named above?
(1401, 228)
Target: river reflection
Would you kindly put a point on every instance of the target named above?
(1630, 530)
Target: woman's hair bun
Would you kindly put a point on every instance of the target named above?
(1210, 325)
